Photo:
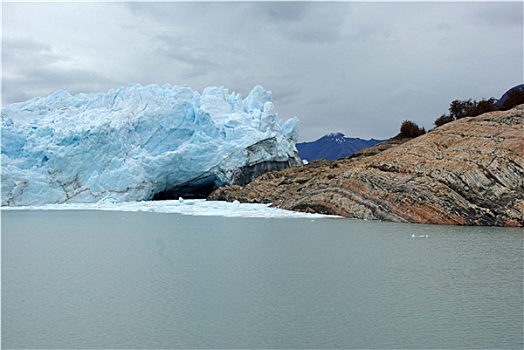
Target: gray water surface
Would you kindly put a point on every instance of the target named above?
(93, 279)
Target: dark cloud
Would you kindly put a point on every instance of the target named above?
(281, 11)
(198, 58)
(306, 22)
(354, 67)
(34, 68)
(496, 15)
(26, 50)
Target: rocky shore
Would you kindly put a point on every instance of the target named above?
(467, 172)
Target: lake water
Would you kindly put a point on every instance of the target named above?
(106, 279)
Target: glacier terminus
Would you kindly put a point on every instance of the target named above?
(140, 143)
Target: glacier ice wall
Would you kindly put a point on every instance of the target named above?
(139, 143)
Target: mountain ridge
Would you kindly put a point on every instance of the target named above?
(333, 146)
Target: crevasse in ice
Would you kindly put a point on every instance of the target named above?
(139, 143)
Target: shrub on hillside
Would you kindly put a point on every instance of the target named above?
(469, 108)
(460, 109)
(411, 129)
(443, 119)
(482, 106)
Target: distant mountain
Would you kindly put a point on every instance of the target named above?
(333, 146)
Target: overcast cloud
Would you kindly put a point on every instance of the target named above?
(360, 68)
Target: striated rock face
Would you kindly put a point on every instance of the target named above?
(468, 172)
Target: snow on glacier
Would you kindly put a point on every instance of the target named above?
(135, 142)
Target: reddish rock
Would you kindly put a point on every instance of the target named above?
(468, 172)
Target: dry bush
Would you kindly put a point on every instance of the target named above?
(411, 129)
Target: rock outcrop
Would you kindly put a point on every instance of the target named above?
(468, 172)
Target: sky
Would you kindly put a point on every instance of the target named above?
(360, 68)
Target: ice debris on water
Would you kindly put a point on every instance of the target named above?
(195, 207)
(137, 141)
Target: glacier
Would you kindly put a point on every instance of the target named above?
(139, 143)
